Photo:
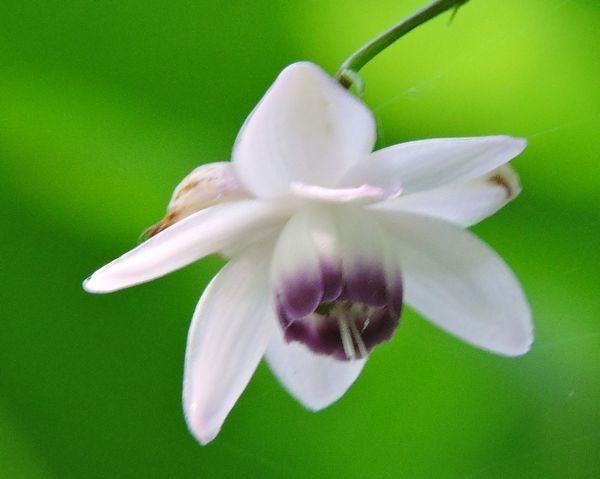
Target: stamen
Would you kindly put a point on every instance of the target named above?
(348, 326)
(365, 324)
(357, 338)
(346, 339)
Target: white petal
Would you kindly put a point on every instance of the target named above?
(320, 246)
(209, 231)
(365, 245)
(316, 381)
(231, 328)
(307, 128)
(427, 164)
(464, 203)
(459, 283)
(297, 260)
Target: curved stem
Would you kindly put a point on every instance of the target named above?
(347, 73)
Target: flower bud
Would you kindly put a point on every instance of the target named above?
(206, 186)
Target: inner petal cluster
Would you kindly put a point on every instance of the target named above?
(358, 310)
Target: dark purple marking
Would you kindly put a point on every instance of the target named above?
(396, 294)
(300, 295)
(367, 301)
(331, 275)
(367, 284)
(380, 328)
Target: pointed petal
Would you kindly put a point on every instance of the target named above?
(459, 283)
(230, 330)
(316, 381)
(214, 229)
(307, 128)
(464, 203)
(427, 164)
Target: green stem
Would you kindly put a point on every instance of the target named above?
(347, 73)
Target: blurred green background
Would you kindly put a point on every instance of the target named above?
(106, 105)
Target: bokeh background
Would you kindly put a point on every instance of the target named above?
(106, 105)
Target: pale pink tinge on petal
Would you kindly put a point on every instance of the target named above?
(360, 195)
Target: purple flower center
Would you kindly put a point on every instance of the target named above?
(355, 313)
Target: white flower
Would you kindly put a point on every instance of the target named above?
(326, 240)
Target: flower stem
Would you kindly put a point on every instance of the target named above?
(348, 73)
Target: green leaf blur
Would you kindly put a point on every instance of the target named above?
(105, 106)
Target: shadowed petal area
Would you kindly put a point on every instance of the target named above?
(307, 128)
(427, 164)
(230, 330)
(316, 381)
(296, 270)
(464, 203)
(337, 289)
(457, 282)
(218, 228)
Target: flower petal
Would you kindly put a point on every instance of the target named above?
(298, 268)
(307, 128)
(464, 203)
(214, 229)
(230, 330)
(372, 272)
(427, 164)
(316, 381)
(460, 284)
(338, 291)
(324, 248)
